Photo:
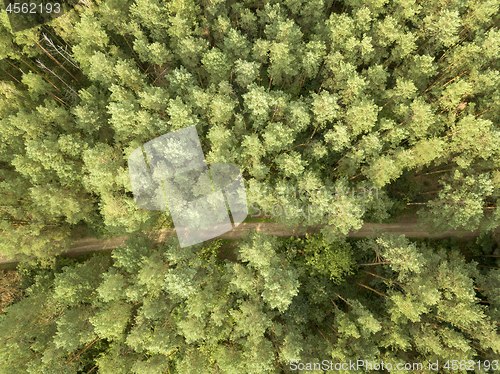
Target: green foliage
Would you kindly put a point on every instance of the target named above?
(156, 309)
(460, 204)
(333, 260)
(337, 112)
(361, 91)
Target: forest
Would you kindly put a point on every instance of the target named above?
(367, 134)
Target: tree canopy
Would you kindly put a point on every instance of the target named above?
(338, 112)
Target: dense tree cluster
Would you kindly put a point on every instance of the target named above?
(157, 310)
(305, 96)
(338, 112)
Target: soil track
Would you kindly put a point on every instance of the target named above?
(405, 227)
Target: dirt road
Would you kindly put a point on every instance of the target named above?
(411, 230)
(407, 228)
